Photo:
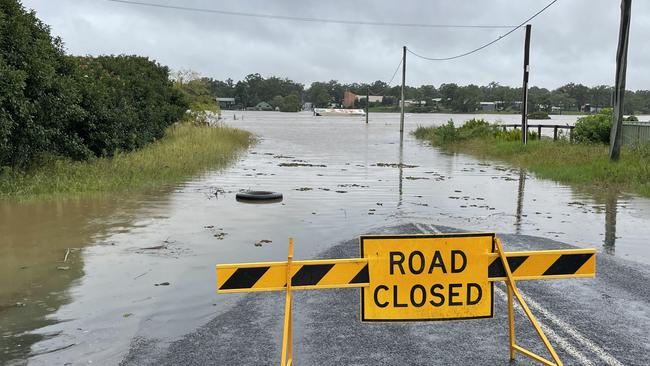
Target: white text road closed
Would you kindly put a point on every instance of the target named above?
(427, 277)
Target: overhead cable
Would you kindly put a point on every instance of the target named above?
(308, 19)
(487, 44)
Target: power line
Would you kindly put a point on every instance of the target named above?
(487, 44)
(395, 73)
(308, 19)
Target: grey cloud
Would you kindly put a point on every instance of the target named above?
(573, 41)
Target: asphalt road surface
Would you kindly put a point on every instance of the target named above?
(601, 321)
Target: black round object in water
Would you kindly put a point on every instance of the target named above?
(259, 196)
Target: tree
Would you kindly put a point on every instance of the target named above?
(318, 94)
(290, 103)
(448, 93)
(277, 101)
(38, 101)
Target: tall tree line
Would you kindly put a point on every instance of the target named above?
(452, 97)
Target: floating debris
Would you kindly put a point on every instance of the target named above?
(303, 189)
(162, 284)
(395, 165)
(157, 247)
(263, 241)
(302, 164)
(415, 178)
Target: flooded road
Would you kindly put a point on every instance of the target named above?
(142, 266)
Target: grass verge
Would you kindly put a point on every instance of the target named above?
(584, 165)
(185, 151)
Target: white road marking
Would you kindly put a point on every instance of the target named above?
(550, 333)
(605, 356)
(596, 349)
(427, 228)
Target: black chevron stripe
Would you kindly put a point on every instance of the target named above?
(310, 274)
(496, 267)
(244, 278)
(362, 276)
(567, 264)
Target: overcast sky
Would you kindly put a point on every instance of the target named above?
(572, 41)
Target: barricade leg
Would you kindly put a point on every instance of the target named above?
(512, 287)
(511, 323)
(287, 339)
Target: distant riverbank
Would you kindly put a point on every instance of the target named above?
(186, 149)
(584, 165)
(396, 109)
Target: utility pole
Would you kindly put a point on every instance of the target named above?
(619, 83)
(524, 99)
(401, 116)
(367, 103)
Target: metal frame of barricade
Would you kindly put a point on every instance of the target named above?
(509, 278)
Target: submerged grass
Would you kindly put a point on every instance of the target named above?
(584, 165)
(186, 150)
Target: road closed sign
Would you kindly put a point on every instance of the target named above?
(427, 277)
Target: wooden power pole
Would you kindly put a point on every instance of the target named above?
(401, 116)
(524, 98)
(367, 103)
(619, 84)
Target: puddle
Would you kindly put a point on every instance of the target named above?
(152, 256)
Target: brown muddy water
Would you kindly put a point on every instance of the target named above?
(143, 265)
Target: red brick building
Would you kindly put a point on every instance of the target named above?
(348, 99)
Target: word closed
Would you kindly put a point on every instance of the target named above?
(427, 277)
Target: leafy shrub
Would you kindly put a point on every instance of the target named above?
(128, 100)
(290, 103)
(475, 128)
(514, 135)
(446, 133)
(538, 115)
(37, 94)
(74, 107)
(594, 128)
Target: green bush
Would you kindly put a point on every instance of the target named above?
(514, 135)
(446, 133)
(475, 128)
(594, 128)
(538, 115)
(37, 93)
(290, 103)
(74, 107)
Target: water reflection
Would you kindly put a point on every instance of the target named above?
(334, 191)
(35, 272)
(611, 209)
(401, 169)
(520, 200)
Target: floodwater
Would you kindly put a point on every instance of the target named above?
(81, 279)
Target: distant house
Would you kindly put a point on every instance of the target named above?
(591, 108)
(263, 106)
(488, 106)
(348, 99)
(372, 98)
(226, 103)
(412, 102)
